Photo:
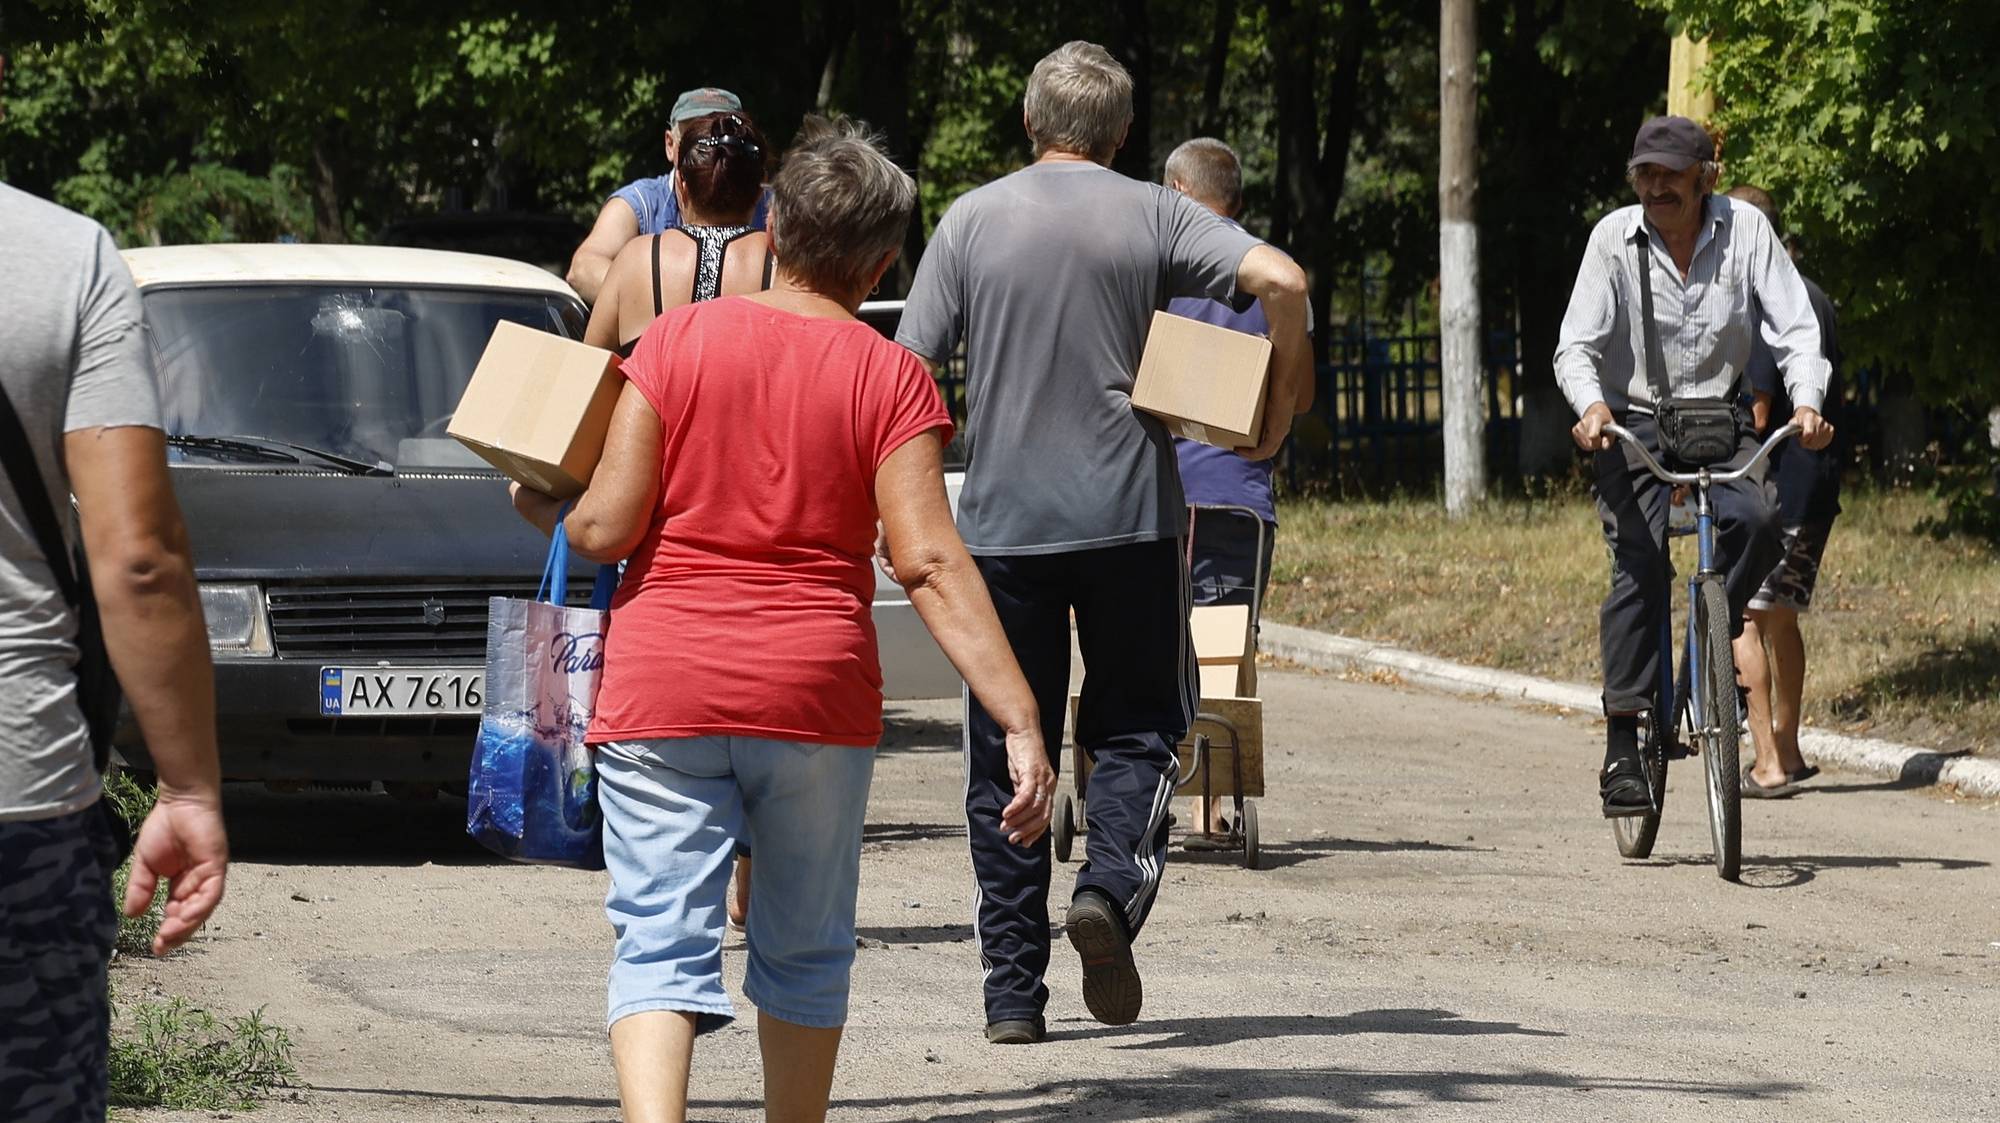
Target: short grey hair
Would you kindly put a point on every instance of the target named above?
(1079, 100)
(1210, 172)
(838, 205)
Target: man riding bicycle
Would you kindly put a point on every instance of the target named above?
(1715, 273)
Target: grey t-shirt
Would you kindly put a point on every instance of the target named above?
(1050, 276)
(72, 356)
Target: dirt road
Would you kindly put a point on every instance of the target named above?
(1445, 932)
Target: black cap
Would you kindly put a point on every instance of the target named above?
(1671, 142)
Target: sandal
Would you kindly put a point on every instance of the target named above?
(1754, 790)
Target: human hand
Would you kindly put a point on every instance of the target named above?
(1588, 432)
(1276, 428)
(1814, 431)
(183, 841)
(1026, 818)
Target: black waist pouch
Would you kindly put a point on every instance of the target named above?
(1699, 432)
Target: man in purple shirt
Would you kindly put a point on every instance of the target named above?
(1226, 548)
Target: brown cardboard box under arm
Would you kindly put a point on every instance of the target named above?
(1206, 383)
(538, 407)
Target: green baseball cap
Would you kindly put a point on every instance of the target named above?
(702, 102)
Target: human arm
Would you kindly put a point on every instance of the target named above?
(1787, 326)
(602, 330)
(1589, 326)
(930, 562)
(616, 225)
(142, 570)
(612, 514)
(1278, 283)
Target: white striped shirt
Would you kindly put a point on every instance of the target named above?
(1705, 322)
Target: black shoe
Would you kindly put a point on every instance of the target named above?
(1623, 788)
(1017, 1031)
(1111, 987)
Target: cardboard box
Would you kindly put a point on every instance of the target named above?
(538, 407)
(1242, 735)
(1226, 650)
(1221, 633)
(1206, 383)
(1225, 681)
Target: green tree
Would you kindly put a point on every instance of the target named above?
(1874, 124)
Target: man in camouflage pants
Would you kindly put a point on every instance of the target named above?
(79, 416)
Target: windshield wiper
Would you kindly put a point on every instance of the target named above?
(270, 448)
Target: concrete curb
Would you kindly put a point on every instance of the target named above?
(1906, 765)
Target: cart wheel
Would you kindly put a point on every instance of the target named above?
(1251, 856)
(1062, 828)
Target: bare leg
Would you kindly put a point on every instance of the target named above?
(739, 893)
(1753, 670)
(1788, 684)
(798, 1069)
(652, 1052)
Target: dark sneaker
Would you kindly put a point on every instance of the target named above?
(1017, 1031)
(1623, 788)
(1111, 986)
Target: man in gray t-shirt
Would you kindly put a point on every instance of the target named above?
(76, 373)
(1072, 501)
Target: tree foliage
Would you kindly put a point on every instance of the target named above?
(1874, 124)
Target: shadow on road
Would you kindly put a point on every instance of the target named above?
(1272, 1095)
(346, 828)
(1279, 855)
(1205, 1095)
(903, 731)
(1229, 1029)
(1794, 870)
(1920, 771)
(912, 935)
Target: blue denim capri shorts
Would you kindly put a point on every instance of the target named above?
(674, 813)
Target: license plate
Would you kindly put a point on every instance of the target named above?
(400, 691)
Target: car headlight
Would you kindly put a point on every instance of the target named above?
(237, 624)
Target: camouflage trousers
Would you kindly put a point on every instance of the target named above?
(56, 927)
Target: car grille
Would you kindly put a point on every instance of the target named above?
(431, 621)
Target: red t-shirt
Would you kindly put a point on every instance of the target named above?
(745, 609)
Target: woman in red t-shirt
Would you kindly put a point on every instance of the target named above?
(758, 442)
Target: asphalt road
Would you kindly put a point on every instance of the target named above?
(1444, 932)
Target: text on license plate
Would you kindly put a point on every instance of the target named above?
(393, 691)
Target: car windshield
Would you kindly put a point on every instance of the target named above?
(368, 372)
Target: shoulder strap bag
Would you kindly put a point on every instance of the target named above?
(1697, 432)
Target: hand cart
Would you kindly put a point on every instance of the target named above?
(1233, 726)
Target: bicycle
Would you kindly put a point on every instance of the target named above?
(1703, 695)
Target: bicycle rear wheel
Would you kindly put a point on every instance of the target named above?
(1635, 833)
(1719, 744)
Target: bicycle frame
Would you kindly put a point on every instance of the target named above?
(1701, 724)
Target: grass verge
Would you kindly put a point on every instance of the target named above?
(1903, 641)
(172, 1054)
(175, 1055)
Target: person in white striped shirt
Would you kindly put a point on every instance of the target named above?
(1720, 277)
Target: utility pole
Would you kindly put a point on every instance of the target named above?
(1458, 257)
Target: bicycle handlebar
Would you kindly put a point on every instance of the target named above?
(1789, 429)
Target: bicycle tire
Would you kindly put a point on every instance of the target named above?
(1635, 833)
(1062, 827)
(1719, 748)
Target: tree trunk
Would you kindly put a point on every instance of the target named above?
(1458, 257)
(885, 46)
(1219, 39)
(329, 213)
(1136, 158)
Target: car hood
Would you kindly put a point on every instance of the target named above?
(259, 524)
(266, 525)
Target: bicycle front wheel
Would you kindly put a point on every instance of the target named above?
(1719, 742)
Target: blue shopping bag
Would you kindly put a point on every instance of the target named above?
(532, 791)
